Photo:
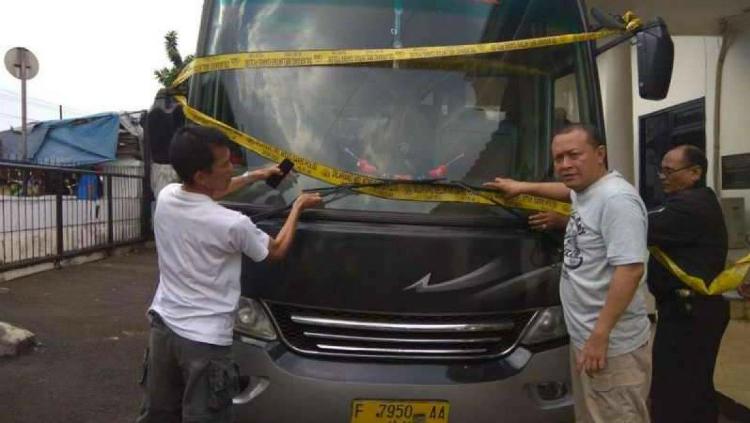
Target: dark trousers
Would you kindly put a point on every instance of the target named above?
(688, 335)
(186, 381)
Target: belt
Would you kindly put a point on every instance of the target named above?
(684, 293)
(686, 298)
(695, 295)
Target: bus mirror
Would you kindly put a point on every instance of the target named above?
(655, 60)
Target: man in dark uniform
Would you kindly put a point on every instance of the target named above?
(690, 229)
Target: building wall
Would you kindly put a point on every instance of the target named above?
(735, 101)
(614, 83)
(693, 77)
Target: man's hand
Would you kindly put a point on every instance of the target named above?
(509, 187)
(547, 221)
(624, 284)
(593, 357)
(307, 200)
(262, 174)
(279, 247)
(512, 188)
(245, 179)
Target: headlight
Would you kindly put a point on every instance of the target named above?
(251, 319)
(548, 325)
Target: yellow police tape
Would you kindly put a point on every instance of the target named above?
(729, 279)
(396, 191)
(296, 58)
(405, 191)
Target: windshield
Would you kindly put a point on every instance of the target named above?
(467, 119)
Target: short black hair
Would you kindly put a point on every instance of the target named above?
(190, 150)
(592, 133)
(694, 156)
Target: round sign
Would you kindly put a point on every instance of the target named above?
(20, 58)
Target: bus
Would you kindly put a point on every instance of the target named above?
(391, 310)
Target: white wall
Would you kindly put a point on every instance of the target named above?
(617, 103)
(735, 102)
(28, 224)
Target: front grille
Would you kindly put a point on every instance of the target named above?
(417, 337)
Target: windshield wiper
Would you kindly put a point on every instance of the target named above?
(479, 192)
(334, 193)
(345, 190)
(341, 191)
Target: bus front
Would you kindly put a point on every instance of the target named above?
(391, 310)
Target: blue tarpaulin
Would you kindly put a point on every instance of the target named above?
(72, 142)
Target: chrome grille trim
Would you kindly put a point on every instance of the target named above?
(293, 334)
(402, 327)
(401, 350)
(403, 340)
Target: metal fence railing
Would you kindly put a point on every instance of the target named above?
(50, 213)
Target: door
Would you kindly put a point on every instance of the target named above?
(659, 132)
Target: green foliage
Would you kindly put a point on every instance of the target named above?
(167, 75)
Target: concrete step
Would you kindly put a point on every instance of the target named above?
(14, 340)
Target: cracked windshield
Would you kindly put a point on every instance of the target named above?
(468, 118)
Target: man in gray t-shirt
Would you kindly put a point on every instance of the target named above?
(607, 228)
(600, 286)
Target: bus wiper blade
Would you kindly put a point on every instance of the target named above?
(348, 189)
(345, 190)
(479, 192)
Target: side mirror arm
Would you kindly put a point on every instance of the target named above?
(624, 37)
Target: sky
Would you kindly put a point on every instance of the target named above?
(94, 55)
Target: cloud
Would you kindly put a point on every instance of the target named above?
(96, 56)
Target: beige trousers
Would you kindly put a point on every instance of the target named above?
(616, 394)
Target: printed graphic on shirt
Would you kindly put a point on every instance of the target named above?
(572, 257)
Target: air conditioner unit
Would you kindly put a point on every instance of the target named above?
(734, 216)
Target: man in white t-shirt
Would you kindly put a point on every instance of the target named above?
(189, 375)
(600, 286)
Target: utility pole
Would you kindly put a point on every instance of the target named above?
(22, 64)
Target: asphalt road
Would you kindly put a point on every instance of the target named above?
(91, 323)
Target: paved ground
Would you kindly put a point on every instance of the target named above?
(732, 375)
(91, 322)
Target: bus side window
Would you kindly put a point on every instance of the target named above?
(566, 102)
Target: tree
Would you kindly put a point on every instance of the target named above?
(166, 76)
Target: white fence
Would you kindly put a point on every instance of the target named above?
(29, 225)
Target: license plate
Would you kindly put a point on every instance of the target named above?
(389, 411)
